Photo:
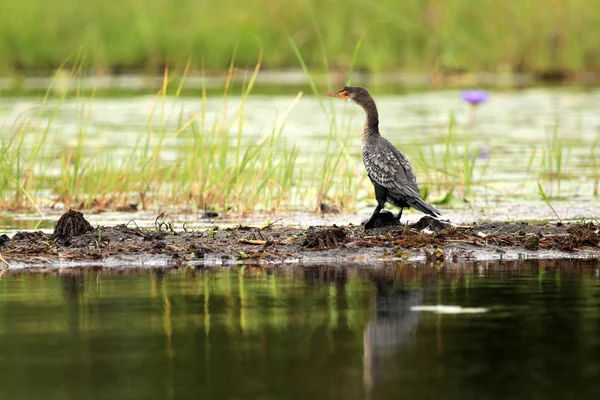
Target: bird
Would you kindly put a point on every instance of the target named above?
(388, 169)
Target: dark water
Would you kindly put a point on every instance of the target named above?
(303, 333)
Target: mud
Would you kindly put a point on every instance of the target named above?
(71, 224)
(427, 239)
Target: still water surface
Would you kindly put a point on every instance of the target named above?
(322, 332)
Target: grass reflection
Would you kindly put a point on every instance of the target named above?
(299, 332)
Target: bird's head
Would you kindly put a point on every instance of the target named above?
(356, 94)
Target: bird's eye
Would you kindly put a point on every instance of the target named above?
(346, 93)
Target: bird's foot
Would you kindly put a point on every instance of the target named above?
(379, 220)
(373, 222)
(370, 224)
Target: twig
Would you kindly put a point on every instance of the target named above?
(156, 223)
(4, 262)
(255, 242)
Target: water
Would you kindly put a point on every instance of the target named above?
(514, 129)
(333, 332)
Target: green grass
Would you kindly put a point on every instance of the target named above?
(338, 177)
(410, 35)
(452, 168)
(216, 166)
(595, 166)
(181, 161)
(544, 196)
(554, 157)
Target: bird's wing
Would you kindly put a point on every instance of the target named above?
(388, 167)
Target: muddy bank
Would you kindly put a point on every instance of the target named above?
(75, 242)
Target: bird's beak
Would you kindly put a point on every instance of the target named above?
(342, 94)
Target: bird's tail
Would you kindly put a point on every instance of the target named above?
(421, 205)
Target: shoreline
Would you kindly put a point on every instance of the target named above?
(427, 240)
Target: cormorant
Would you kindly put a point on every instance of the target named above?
(387, 168)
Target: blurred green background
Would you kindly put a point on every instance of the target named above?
(36, 36)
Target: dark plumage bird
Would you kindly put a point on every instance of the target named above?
(387, 168)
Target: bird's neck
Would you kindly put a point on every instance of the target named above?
(371, 127)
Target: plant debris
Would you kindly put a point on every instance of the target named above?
(70, 224)
(321, 239)
(76, 240)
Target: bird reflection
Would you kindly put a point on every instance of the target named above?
(73, 286)
(325, 274)
(392, 329)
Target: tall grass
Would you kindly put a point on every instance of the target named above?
(544, 196)
(217, 164)
(450, 167)
(534, 35)
(338, 181)
(207, 159)
(554, 156)
(26, 145)
(595, 165)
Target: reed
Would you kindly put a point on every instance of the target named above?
(214, 166)
(198, 160)
(180, 160)
(554, 156)
(544, 196)
(338, 181)
(595, 165)
(451, 168)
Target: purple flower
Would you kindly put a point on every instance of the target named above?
(474, 97)
(482, 155)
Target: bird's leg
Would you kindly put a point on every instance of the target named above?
(381, 196)
(377, 210)
(369, 224)
(400, 213)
